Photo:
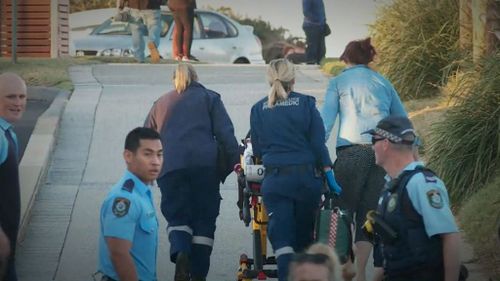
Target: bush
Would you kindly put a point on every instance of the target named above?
(415, 41)
(480, 219)
(332, 66)
(464, 148)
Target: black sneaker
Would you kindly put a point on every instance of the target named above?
(182, 267)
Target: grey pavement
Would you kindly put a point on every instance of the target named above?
(61, 237)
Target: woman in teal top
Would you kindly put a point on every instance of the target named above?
(359, 97)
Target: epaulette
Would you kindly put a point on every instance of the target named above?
(128, 185)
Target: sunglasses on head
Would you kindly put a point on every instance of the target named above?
(311, 258)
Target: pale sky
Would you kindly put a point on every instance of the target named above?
(348, 19)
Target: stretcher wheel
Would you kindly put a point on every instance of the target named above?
(257, 250)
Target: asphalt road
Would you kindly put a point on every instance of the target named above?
(108, 101)
(39, 99)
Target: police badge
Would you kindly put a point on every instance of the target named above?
(435, 199)
(391, 205)
(120, 206)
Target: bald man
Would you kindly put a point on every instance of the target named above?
(12, 106)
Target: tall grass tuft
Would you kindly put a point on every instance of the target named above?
(416, 41)
(464, 149)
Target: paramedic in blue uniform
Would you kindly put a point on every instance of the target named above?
(13, 96)
(287, 133)
(192, 122)
(129, 229)
(415, 204)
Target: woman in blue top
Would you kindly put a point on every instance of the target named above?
(359, 97)
(287, 133)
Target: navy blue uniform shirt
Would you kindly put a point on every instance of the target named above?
(290, 133)
(190, 131)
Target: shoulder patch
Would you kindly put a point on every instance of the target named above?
(121, 206)
(435, 199)
(128, 185)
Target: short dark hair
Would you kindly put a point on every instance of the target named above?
(134, 137)
(359, 52)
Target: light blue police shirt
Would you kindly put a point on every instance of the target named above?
(4, 143)
(136, 223)
(360, 97)
(430, 199)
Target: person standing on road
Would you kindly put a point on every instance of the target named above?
(359, 97)
(192, 122)
(287, 133)
(128, 241)
(415, 205)
(314, 27)
(183, 11)
(144, 15)
(13, 97)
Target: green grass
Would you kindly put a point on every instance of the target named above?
(54, 72)
(332, 66)
(480, 219)
(44, 72)
(464, 149)
(416, 43)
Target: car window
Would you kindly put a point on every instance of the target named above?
(110, 27)
(196, 29)
(166, 21)
(215, 26)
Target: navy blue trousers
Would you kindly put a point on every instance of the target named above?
(190, 202)
(292, 200)
(315, 40)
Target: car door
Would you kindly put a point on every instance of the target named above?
(218, 39)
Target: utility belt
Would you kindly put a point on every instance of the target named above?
(291, 169)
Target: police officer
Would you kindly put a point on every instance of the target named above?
(129, 228)
(287, 133)
(420, 240)
(13, 96)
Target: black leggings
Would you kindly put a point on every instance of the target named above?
(362, 181)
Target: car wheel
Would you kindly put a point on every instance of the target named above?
(241, 61)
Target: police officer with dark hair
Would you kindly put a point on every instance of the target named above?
(129, 229)
(287, 133)
(417, 238)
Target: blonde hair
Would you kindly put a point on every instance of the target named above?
(332, 264)
(184, 74)
(281, 76)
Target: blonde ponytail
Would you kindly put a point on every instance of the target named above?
(281, 75)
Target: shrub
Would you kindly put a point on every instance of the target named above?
(480, 219)
(415, 41)
(332, 66)
(464, 148)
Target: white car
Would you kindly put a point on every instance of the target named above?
(216, 39)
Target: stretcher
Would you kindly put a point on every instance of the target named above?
(252, 212)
